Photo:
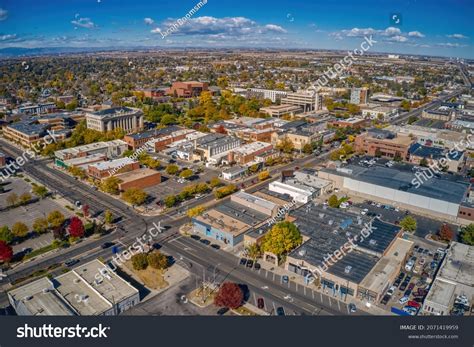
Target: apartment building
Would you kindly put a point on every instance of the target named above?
(126, 118)
(359, 96)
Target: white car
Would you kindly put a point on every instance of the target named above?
(391, 290)
(403, 300)
(409, 266)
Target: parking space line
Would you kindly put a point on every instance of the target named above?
(313, 293)
(330, 302)
(273, 276)
(266, 273)
(296, 284)
(304, 290)
(338, 305)
(321, 296)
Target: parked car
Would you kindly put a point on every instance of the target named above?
(391, 290)
(205, 242)
(280, 311)
(256, 266)
(385, 299)
(396, 283)
(352, 308)
(404, 285)
(410, 310)
(249, 263)
(411, 286)
(260, 303)
(403, 300)
(215, 246)
(196, 237)
(413, 303)
(243, 261)
(222, 311)
(285, 279)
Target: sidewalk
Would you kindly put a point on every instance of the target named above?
(361, 306)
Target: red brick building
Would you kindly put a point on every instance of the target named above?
(141, 178)
(187, 89)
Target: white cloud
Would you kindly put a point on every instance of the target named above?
(457, 36)
(391, 31)
(148, 21)
(3, 14)
(275, 28)
(398, 38)
(228, 27)
(415, 34)
(156, 31)
(450, 45)
(8, 37)
(84, 23)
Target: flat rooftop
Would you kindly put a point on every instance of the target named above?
(253, 199)
(154, 133)
(90, 147)
(459, 264)
(328, 229)
(108, 165)
(399, 177)
(136, 174)
(116, 111)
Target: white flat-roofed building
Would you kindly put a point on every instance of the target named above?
(271, 94)
(111, 149)
(83, 291)
(299, 192)
(455, 279)
(307, 100)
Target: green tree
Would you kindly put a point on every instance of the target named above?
(40, 191)
(40, 225)
(195, 211)
(254, 251)
(285, 145)
(224, 191)
(467, 235)
(333, 201)
(134, 196)
(262, 176)
(20, 229)
(24, 198)
(424, 162)
(172, 169)
(282, 238)
(308, 148)
(157, 260)
(6, 234)
(408, 224)
(215, 182)
(170, 201)
(108, 217)
(140, 261)
(186, 173)
(111, 185)
(55, 219)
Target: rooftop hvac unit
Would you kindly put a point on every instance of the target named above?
(45, 290)
(29, 297)
(77, 280)
(302, 252)
(330, 222)
(372, 242)
(321, 215)
(348, 269)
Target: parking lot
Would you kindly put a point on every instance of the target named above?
(15, 185)
(412, 284)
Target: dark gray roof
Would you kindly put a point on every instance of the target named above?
(114, 111)
(29, 128)
(155, 132)
(442, 187)
(241, 213)
(330, 229)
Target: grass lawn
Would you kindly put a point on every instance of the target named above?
(244, 311)
(151, 278)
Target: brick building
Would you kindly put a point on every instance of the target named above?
(187, 89)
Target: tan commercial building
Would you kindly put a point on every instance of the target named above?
(281, 110)
(126, 118)
(106, 169)
(140, 178)
(307, 100)
(381, 142)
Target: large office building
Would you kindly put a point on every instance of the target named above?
(453, 287)
(327, 231)
(26, 133)
(30, 109)
(76, 293)
(439, 196)
(307, 100)
(126, 118)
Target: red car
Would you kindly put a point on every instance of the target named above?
(411, 286)
(260, 303)
(414, 304)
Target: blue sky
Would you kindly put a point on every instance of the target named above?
(431, 27)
